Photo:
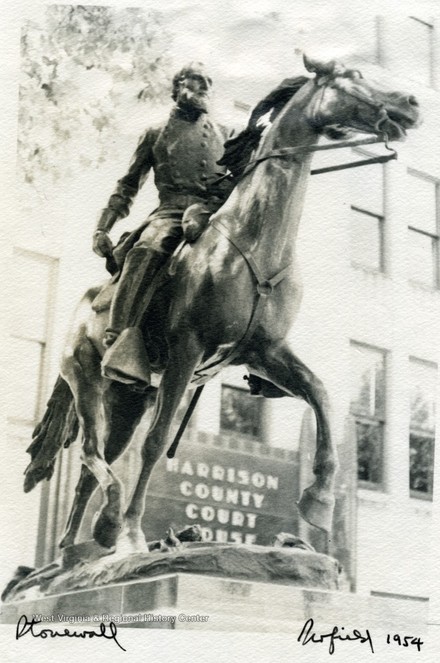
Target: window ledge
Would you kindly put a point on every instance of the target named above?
(378, 499)
(371, 271)
(420, 505)
(424, 287)
(367, 496)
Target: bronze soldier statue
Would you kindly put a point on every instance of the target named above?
(183, 153)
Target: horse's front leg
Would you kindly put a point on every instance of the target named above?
(278, 364)
(180, 368)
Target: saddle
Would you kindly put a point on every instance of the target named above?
(104, 297)
(194, 222)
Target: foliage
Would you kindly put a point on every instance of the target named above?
(82, 71)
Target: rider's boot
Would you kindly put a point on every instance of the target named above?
(126, 359)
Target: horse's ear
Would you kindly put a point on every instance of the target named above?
(318, 67)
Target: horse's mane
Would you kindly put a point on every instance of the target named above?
(239, 149)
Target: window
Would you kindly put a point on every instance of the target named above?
(423, 230)
(368, 408)
(367, 216)
(33, 279)
(240, 412)
(422, 428)
(409, 48)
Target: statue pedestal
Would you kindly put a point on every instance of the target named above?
(221, 587)
(207, 603)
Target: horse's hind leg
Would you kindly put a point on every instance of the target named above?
(278, 364)
(124, 410)
(83, 491)
(115, 445)
(81, 369)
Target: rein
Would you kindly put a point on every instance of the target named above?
(285, 152)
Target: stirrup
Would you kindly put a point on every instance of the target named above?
(126, 360)
(110, 337)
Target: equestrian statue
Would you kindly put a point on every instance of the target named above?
(228, 294)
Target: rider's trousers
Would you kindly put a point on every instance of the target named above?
(149, 254)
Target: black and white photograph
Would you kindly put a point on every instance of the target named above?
(221, 365)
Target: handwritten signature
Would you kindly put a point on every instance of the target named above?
(308, 635)
(26, 627)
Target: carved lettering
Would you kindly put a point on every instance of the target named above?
(236, 537)
(217, 493)
(243, 477)
(245, 497)
(223, 516)
(207, 513)
(207, 533)
(218, 472)
(187, 468)
(203, 470)
(201, 491)
(237, 519)
(231, 495)
(172, 464)
(258, 479)
(221, 535)
(251, 520)
(272, 482)
(192, 511)
(186, 488)
(230, 476)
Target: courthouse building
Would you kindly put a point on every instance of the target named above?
(369, 327)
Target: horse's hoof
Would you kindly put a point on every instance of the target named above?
(106, 530)
(316, 507)
(64, 543)
(131, 542)
(108, 522)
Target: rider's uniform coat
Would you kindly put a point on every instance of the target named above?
(183, 154)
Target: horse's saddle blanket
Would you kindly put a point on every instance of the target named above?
(104, 297)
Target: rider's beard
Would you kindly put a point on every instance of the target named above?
(194, 101)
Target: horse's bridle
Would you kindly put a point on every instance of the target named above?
(380, 137)
(377, 105)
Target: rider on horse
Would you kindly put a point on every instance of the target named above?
(183, 153)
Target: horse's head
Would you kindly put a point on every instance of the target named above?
(345, 101)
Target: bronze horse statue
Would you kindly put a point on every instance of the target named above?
(231, 297)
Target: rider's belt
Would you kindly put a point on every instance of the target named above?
(180, 200)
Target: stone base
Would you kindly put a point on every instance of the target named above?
(88, 551)
(80, 569)
(206, 603)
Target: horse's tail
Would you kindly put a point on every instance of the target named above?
(58, 428)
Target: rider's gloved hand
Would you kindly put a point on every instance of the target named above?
(102, 244)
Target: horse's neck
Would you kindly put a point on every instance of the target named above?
(266, 206)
